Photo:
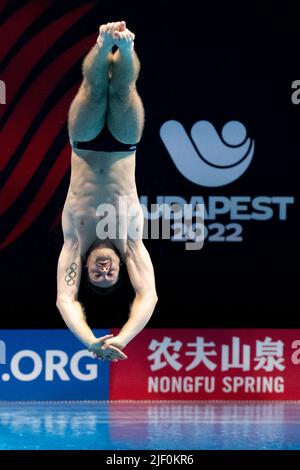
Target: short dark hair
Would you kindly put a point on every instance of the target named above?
(104, 290)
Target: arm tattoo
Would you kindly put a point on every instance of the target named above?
(71, 274)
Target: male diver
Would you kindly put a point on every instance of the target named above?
(105, 121)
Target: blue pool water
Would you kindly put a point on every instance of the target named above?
(150, 425)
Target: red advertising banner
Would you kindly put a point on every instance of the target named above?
(209, 364)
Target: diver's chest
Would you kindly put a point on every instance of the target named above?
(103, 222)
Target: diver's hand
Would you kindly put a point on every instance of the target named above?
(100, 349)
(115, 341)
(117, 344)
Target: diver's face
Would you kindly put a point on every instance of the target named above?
(103, 267)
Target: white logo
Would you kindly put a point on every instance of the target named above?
(208, 159)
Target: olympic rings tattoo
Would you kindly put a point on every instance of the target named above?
(71, 274)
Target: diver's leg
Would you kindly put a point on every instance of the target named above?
(88, 110)
(125, 109)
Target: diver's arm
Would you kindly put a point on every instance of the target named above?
(68, 282)
(141, 274)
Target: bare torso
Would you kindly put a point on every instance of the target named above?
(101, 178)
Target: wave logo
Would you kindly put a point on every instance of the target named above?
(206, 158)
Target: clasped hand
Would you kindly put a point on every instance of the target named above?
(108, 347)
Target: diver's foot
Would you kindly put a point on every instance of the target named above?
(106, 38)
(124, 39)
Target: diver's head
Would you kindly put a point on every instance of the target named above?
(103, 265)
